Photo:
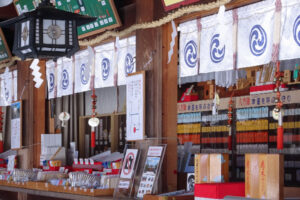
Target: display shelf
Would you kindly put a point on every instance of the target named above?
(45, 189)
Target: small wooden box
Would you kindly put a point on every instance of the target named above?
(211, 168)
(219, 168)
(264, 176)
(201, 168)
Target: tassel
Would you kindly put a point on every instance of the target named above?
(229, 142)
(280, 137)
(1, 143)
(93, 138)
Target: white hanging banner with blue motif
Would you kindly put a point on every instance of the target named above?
(255, 34)
(83, 71)
(189, 51)
(51, 78)
(126, 58)
(290, 31)
(216, 46)
(104, 65)
(64, 76)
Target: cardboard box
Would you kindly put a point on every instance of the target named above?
(264, 176)
(211, 168)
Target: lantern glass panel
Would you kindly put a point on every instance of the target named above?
(25, 27)
(54, 32)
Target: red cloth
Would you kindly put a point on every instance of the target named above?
(219, 190)
(266, 88)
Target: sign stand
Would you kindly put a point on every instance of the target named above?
(141, 168)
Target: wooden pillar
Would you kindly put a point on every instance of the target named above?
(33, 100)
(148, 58)
(25, 93)
(170, 108)
(39, 114)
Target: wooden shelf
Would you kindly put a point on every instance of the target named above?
(44, 189)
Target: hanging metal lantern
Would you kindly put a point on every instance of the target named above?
(46, 32)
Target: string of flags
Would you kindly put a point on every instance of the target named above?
(106, 65)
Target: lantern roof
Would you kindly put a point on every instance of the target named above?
(46, 10)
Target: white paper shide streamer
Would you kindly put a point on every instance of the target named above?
(255, 34)
(126, 58)
(37, 75)
(64, 76)
(104, 65)
(172, 43)
(82, 71)
(51, 78)
(216, 45)
(290, 37)
(189, 48)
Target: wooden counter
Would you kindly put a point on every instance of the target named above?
(47, 190)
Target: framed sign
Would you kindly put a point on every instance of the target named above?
(135, 106)
(4, 50)
(104, 10)
(172, 4)
(16, 125)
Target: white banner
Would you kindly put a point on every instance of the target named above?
(189, 51)
(126, 58)
(216, 46)
(6, 87)
(82, 71)
(255, 34)
(104, 65)
(51, 79)
(290, 30)
(15, 83)
(64, 76)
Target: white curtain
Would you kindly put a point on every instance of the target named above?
(255, 34)
(126, 58)
(64, 76)
(104, 65)
(51, 79)
(216, 45)
(189, 51)
(82, 71)
(290, 29)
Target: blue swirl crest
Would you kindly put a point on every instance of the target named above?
(296, 30)
(216, 53)
(258, 40)
(51, 82)
(84, 74)
(65, 79)
(190, 54)
(105, 68)
(129, 64)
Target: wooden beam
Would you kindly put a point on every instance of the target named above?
(169, 103)
(148, 58)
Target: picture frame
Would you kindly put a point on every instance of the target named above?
(16, 125)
